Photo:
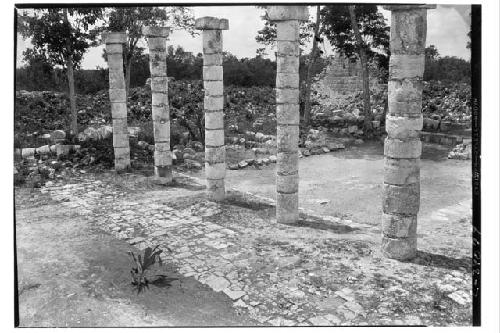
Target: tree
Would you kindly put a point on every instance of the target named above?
(132, 19)
(62, 36)
(312, 59)
(358, 32)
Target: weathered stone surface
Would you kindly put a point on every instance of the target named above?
(405, 109)
(212, 73)
(285, 13)
(396, 148)
(215, 155)
(118, 110)
(213, 103)
(212, 41)
(401, 199)
(287, 114)
(215, 170)
(289, 48)
(408, 31)
(288, 138)
(403, 127)
(287, 207)
(398, 226)
(399, 248)
(214, 138)
(117, 95)
(214, 120)
(403, 66)
(215, 189)
(114, 37)
(213, 88)
(212, 59)
(151, 31)
(287, 64)
(401, 171)
(288, 162)
(287, 96)
(287, 79)
(407, 90)
(211, 23)
(287, 183)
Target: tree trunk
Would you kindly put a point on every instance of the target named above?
(71, 83)
(128, 64)
(312, 60)
(364, 66)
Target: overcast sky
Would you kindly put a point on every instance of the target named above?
(447, 29)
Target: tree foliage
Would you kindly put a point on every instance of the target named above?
(336, 26)
(49, 33)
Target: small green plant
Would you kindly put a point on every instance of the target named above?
(142, 264)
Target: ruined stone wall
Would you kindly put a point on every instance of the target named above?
(340, 79)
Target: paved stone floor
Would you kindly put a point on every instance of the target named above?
(321, 271)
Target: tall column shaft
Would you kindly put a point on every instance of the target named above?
(118, 98)
(157, 39)
(402, 147)
(287, 19)
(215, 151)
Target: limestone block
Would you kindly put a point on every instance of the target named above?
(161, 130)
(116, 80)
(403, 127)
(212, 73)
(399, 248)
(405, 109)
(399, 226)
(115, 62)
(287, 207)
(287, 114)
(408, 31)
(122, 157)
(151, 31)
(288, 163)
(160, 113)
(287, 96)
(287, 138)
(396, 148)
(287, 31)
(157, 68)
(401, 171)
(120, 125)
(215, 189)
(28, 152)
(214, 120)
(287, 80)
(407, 90)
(159, 99)
(114, 37)
(162, 158)
(212, 59)
(402, 66)
(215, 155)
(159, 84)
(403, 200)
(284, 13)
(213, 103)
(287, 64)
(164, 171)
(287, 183)
(113, 49)
(118, 110)
(215, 171)
(162, 146)
(211, 23)
(288, 48)
(213, 88)
(117, 95)
(214, 138)
(120, 140)
(212, 41)
(43, 150)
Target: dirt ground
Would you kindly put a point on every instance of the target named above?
(72, 274)
(232, 264)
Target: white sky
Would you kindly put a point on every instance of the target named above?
(447, 30)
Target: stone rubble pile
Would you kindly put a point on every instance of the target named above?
(462, 151)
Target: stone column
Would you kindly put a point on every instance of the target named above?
(215, 151)
(118, 98)
(157, 39)
(287, 19)
(402, 148)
